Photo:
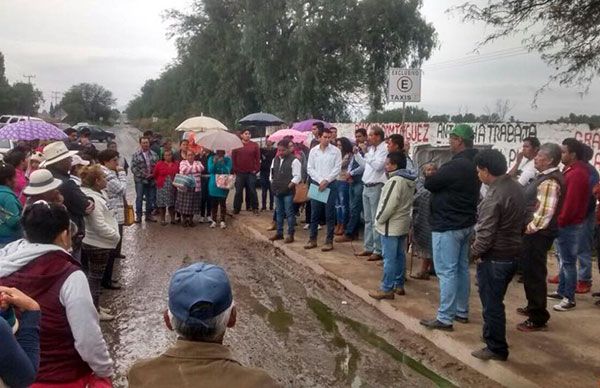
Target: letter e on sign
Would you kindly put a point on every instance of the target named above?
(404, 85)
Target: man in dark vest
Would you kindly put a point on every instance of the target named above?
(544, 197)
(286, 172)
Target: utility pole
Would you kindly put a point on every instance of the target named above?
(29, 77)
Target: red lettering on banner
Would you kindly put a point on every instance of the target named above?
(597, 160)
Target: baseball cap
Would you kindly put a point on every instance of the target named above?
(198, 293)
(77, 160)
(463, 131)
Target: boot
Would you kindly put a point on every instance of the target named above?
(273, 226)
(338, 231)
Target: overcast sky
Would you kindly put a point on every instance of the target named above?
(122, 43)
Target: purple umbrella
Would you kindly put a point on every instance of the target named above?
(306, 125)
(31, 130)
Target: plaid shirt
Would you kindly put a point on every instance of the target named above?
(548, 194)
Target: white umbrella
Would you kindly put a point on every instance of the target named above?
(219, 140)
(201, 124)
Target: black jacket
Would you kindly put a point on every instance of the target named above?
(75, 201)
(455, 191)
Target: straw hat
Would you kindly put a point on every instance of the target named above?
(55, 152)
(41, 181)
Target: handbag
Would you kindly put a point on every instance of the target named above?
(301, 193)
(225, 181)
(129, 216)
(184, 182)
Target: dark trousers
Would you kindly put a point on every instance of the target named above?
(356, 206)
(535, 271)
(329, 209)
(493, 278)
(205, 206)
(110, 265)
(265, 189)
(94, 261)
(245, 181)
(216, 203)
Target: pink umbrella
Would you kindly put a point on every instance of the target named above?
(297, 136)
(31, 130)
(306, 125)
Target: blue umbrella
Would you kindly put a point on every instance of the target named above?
(261, 120)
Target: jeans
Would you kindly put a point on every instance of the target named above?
(247, 181)
(567, 244)
(342, 207)
(216, 203)
(533, 262)
(317, 208)
(265, 188)
(584, 251)
(493, 278)
(451, 260)
(147, 192)
(370, 201)
(356, 207)
(394, 262)
(284, 208)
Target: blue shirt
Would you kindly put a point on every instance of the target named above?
(20, 355)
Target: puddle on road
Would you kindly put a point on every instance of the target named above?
(279, 319)
(349, 363)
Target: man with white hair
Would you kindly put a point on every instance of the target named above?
(201, 308)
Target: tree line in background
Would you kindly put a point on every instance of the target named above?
(294, 58)
(20, 98)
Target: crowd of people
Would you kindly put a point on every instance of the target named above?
(63, 206)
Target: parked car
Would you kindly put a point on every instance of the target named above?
(9, 119)
(97, 133)
(5, 146)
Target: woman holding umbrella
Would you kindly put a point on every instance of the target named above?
(188, 202)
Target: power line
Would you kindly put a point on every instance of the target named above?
(476, 61)
(29, 77)
(476, 56)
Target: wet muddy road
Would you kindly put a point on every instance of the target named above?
(304, 330)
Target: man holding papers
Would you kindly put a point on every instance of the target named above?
(324, 166)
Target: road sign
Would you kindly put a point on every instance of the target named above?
(404, 85)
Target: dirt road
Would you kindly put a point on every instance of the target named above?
(304, 330)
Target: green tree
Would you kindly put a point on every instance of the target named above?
(294, 58)
(25, 99)
(5, 89)
(413, 114)
(566, 33)
(87, 102)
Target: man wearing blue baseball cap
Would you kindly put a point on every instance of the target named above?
(201, 308)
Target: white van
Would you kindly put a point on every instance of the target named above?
(10, 119)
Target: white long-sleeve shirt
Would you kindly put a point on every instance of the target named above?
(324, 165)
(374, 164)
(296, 170)
(83, 319)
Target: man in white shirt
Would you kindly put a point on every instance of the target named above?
(373, 178)
(524, 169)
(286, 173)
(324, 166)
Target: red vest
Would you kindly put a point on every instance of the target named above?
(42, 280)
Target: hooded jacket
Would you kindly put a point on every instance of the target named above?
(10, 215)
(70, 338)
(395, 204)
(101, 227)
(455, 190)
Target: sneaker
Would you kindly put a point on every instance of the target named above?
(553, 279)
(273, 226)
(138, 220)
(434, 324)
(103, 316)
(104, 309)
(289, 239)
(399, 291)
(203, 220)
(222, 225)
(564, 305)
(485, 354)
(464, 320)
(523, 311)
(213, 224)
(555, 296)
(381, 294)
(276, 237)
(583, 287)
(529, 326)
(319, 227)
(209, 219)
(306, 227)
(327, 247)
